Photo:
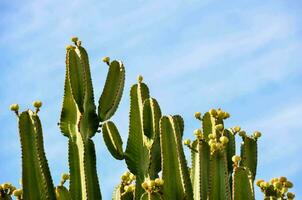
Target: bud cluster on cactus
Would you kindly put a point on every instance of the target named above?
(154, 153)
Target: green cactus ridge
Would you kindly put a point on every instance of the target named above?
(154, 153)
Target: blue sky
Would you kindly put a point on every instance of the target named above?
(242, 56)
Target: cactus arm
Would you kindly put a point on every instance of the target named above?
(200, 169)
(69, 114)
(35, 173)
(76, 77)
(175, 173)
(62, 193)
(112, 91)
(113, 140)
(242, 184)
(208, 125)
(230, 149)
(249, 154)
(180, 122)
(48, 183)
(151, 117)
(219, 181)
(136, 154)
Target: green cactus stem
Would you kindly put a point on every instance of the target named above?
(37, 181)
(174, 168)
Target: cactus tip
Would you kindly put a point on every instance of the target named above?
(69, 47)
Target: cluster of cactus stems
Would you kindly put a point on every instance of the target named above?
(154, 153)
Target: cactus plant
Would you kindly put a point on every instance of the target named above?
(154, 154)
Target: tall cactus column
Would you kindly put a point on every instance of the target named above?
(79, 121)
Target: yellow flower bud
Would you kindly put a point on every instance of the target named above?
(211, 136)
(140, 78)
(258, 182)
(237, 129)
(37, 104)
(264, 184)
(106, 60)
(290, 195)
(219, 127)
(65, 176)
(197, 132)
(242, 133)
(236, 158)
(145, 185)
(159, 182)
(278, 185)
(220, 114)
(74, 39)
(187, 142)
(14, 107)
(213, 112)
(226, 115)
(152, 183)
(18, 192)
(224, 139)
(197, 115)
(288, 184)
(257, 134)
(282, 179)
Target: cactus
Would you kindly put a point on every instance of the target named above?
(154, 154)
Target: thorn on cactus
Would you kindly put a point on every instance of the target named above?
(106, 60)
